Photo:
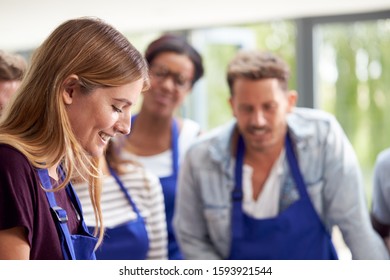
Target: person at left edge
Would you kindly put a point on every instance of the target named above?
(76, 95)
(12, 68)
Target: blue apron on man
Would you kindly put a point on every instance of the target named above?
(296, 233)
(74, 246)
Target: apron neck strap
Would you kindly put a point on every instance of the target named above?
(60, 215)
(123, 189)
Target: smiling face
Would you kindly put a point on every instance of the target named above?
(171, 75)
(261, 109)
(97, 116)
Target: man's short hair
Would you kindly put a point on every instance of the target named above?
(257, 65)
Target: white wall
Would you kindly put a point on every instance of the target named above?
(24, 24)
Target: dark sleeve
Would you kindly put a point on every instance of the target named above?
(18, 186)
(382, 229)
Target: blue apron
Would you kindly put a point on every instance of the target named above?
(74, 246)
(296, 233)
(128, 241)
(168, 184)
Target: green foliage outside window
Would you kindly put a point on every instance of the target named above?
(278, 37)
(354, 85)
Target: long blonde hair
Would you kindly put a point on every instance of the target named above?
(36, 123)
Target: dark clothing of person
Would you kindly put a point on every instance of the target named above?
(23, 203)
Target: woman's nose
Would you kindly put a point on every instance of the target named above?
(123, 125)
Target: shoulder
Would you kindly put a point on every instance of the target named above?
(150, 177)
(138, 177)
(307, 123)
(20, 189)
(310, 115)
(12, 159)
(188, 124)
(383, 160)
(144, 187)
(214, 143)
(189, 130)
(8, 150)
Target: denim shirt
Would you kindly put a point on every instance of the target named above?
(381, 188)
(328, 164)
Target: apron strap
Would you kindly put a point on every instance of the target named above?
(59, 213)
(237, 191)
(295, 170)
(123, 189)
(75, 200)
(175, 147)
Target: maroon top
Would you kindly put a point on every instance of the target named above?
(23, 203)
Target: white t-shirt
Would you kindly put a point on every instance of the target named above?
(161, 164)
(267, 203)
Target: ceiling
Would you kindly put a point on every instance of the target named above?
(24, 24)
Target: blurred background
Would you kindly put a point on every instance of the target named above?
(339, 51)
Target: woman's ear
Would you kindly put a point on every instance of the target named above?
(70, 86)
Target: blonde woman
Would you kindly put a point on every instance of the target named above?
(76, 95)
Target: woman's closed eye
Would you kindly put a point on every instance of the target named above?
(116, 109)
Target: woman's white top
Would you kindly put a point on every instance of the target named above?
(267, 203)
(161, 164)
